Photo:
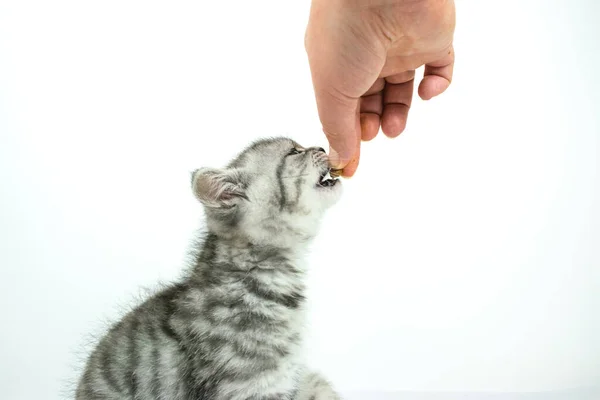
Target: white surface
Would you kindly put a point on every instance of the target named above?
(464, 256)
(590, 393)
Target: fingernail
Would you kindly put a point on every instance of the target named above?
(334, 159)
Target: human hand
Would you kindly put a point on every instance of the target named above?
(363, 55)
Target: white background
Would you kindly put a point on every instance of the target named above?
(464, 255)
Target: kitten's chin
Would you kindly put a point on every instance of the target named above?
(330, 195)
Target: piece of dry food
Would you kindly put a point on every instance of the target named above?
(335, 173)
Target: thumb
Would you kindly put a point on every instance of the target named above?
(340, 118)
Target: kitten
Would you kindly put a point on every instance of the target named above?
(232, 329)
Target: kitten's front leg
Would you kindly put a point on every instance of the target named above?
(315, 387)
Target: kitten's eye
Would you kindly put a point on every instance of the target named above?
(294, 151)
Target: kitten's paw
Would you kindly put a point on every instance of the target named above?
(316, 387)
(327, 394)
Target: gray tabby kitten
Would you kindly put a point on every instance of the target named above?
(232, 329)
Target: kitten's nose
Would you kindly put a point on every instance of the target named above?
(321, 149)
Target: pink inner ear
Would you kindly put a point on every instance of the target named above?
(205, 188)
(213, 188)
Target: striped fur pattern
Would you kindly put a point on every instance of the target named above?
(232, 329)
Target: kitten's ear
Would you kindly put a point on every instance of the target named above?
(218, 188)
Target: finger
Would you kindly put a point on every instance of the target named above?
(369, 126)
(352, 165)
(401, 77)
(437, 77)
(340, 119)
(397, 99)
(376, 87)
(371, 108)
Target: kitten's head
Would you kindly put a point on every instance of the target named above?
(273, 193)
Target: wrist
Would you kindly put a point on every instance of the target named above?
(393, 14)
(408, 5)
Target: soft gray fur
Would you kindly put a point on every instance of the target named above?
(232, 329)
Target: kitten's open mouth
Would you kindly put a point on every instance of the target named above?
(325, 180)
